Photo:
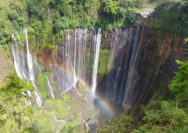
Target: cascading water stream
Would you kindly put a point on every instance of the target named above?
(21, 58)
(50, 87)
(37, 67)
(31, 71)
(29, 59)
(16, 57)
(18, 60)
(74, 60)
(132, 73)
(19, 40)
(97, 51)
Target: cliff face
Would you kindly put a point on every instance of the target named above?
(133, 63)
(158, 63)
(143, 65)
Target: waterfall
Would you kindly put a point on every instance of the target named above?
(31, 71)
(37, 67)
(29, 59)
(119, 83)
(73, 57)
(50, 87)
(77, 61)
(74, 60)
(132, 73)
(21, 56)
(18, 60)
(16, 57)
(111, 91)
(97, 51)
(19, 40)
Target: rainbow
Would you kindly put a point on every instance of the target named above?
(104, 104)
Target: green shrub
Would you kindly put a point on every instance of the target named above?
(36, 9)
(172, 18)
(122, 124)
(12, 15)
(179, 85)
(42, 80)
(186, 42)
(103, 61)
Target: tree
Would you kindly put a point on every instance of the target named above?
(57, 26)
(163, 117)
(110, 7)
(14, 113)
(36, 9)
(179, 85)
(122, 124)
(12, 15)
(15, 87)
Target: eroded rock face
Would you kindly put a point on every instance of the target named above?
(133, 63)
(158, 63)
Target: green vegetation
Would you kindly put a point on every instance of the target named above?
(5, 37)
(186, 42)
(47, 18)
(179, 85)
(103, 61)
(159, 116)
(16, 116)
(172, 17)
(82, 89)
(42, 80)
(7, 66)
(89, 62)
(118, 125)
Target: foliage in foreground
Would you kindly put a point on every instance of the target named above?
(16, 115)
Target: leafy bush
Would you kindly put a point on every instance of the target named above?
(12, 109)
(57, 26)
(12, 15)
(123, 124)
(16, 116)
(131, 20)
(42, 80)
(163, 117)
(110, 7)
(103, 61)
(179, 85)
(36, 9)
(171, 18)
